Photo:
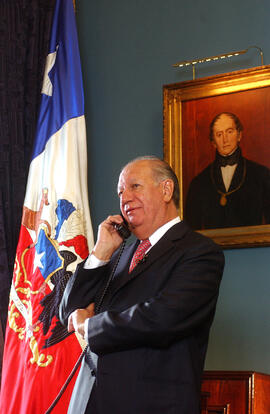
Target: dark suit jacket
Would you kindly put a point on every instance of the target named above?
(152, 332)
(249, 205)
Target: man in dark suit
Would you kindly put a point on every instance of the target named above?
(231, 191)
(148, 338)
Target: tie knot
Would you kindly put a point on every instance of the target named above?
(144, 245)
(139, 253)
(223, 161)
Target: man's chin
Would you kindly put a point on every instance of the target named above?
(228, 152)
(133, 223)
(133, 218)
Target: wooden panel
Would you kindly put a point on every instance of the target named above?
(235, 392)
(261, 394)
(218, 409)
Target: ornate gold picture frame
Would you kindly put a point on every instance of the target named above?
(189, 107)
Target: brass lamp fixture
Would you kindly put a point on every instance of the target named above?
(194, 62)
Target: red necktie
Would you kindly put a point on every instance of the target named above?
(139, 253)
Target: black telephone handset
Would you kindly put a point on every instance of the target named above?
(123, 229)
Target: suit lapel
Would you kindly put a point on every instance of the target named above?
(157, 251)
(238, 175)
(218, 180)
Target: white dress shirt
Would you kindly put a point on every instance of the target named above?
(227, 175)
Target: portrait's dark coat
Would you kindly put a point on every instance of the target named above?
(248, 199)
(151, 335)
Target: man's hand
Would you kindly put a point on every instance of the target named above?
(77, 318)
(108, 238)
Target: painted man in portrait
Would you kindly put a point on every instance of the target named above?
(232, 191)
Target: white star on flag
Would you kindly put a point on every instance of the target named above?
(37, 261)
(47, 87)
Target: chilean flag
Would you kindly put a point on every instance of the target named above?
(56, 234)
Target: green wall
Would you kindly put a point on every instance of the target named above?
(127, 49)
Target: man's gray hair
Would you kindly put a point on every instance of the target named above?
(161, 171)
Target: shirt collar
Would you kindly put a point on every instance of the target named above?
(156, 236)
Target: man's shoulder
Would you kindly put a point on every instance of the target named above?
(256, 167)
(204, 175)
(194, 246)
(185, 235)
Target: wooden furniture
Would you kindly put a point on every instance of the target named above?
(235, 392)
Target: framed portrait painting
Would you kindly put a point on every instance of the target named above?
(217, 140)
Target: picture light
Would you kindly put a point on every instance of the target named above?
(194, 62)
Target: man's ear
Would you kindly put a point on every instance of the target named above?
(168, 187)
(239, 136)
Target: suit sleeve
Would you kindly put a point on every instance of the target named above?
(81, 290)
(184, 305)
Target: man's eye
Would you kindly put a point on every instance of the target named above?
(135, 185)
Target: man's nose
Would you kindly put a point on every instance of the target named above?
(126, 196)
(225, 137)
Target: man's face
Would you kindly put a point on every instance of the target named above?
(141, 198)
(225, 135)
